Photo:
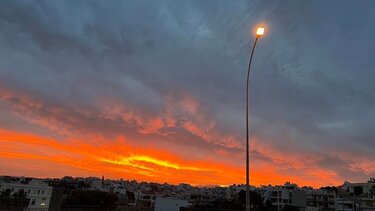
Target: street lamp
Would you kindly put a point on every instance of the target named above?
(259, 33)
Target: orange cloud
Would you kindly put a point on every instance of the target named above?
(88, 152)
(119, 160)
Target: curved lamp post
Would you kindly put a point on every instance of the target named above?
(259, 34)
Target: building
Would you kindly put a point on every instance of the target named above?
(37, 191)
(321, 199)
(367, 204)
(365, 200)
(145, 200)
(368, 187)
(201, 197)
(169, 204)
(61, 189)
(288, 194)
(344, 204)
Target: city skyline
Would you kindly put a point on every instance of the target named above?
(154, 91)
(242, 185)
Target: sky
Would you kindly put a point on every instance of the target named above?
(155, 90)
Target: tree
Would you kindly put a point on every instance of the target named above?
(82, 185)
(330, 188)
(241, 197)
(91, 199)
(358, 190)
(268, 205)
(15, 201)
(20, 198)
(225, 204)
(372, 190)
(5, 197)
(256, 198)
(289, 208)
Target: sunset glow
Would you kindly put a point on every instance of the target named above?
(89, 153)
(121, 160)
(155, 91)
(98, 160)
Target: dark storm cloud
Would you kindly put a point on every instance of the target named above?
(344, 168)
(312, 83)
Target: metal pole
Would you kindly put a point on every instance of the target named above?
(247, 130)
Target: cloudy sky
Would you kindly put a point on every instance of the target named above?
(155, 90)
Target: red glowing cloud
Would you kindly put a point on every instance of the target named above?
(117, 160)
(179, 144)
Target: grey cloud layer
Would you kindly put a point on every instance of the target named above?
(312, 86)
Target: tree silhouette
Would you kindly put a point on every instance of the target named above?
(372, 190)
(16, 201)
(5, 197)
(91, 199)
(330, 188)
(268, 205)
(358, 190)
(289, 208)
(82, 185)
(20, 198)
(256, 198)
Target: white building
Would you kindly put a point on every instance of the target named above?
(368, 187)
(321, 199)
(288, 194)
(366, 200)
(367, 204)
(169, 204)
(344, 204)
(37, 191)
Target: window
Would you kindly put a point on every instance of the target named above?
(42, 191)
(33, 202)
(38, 192)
